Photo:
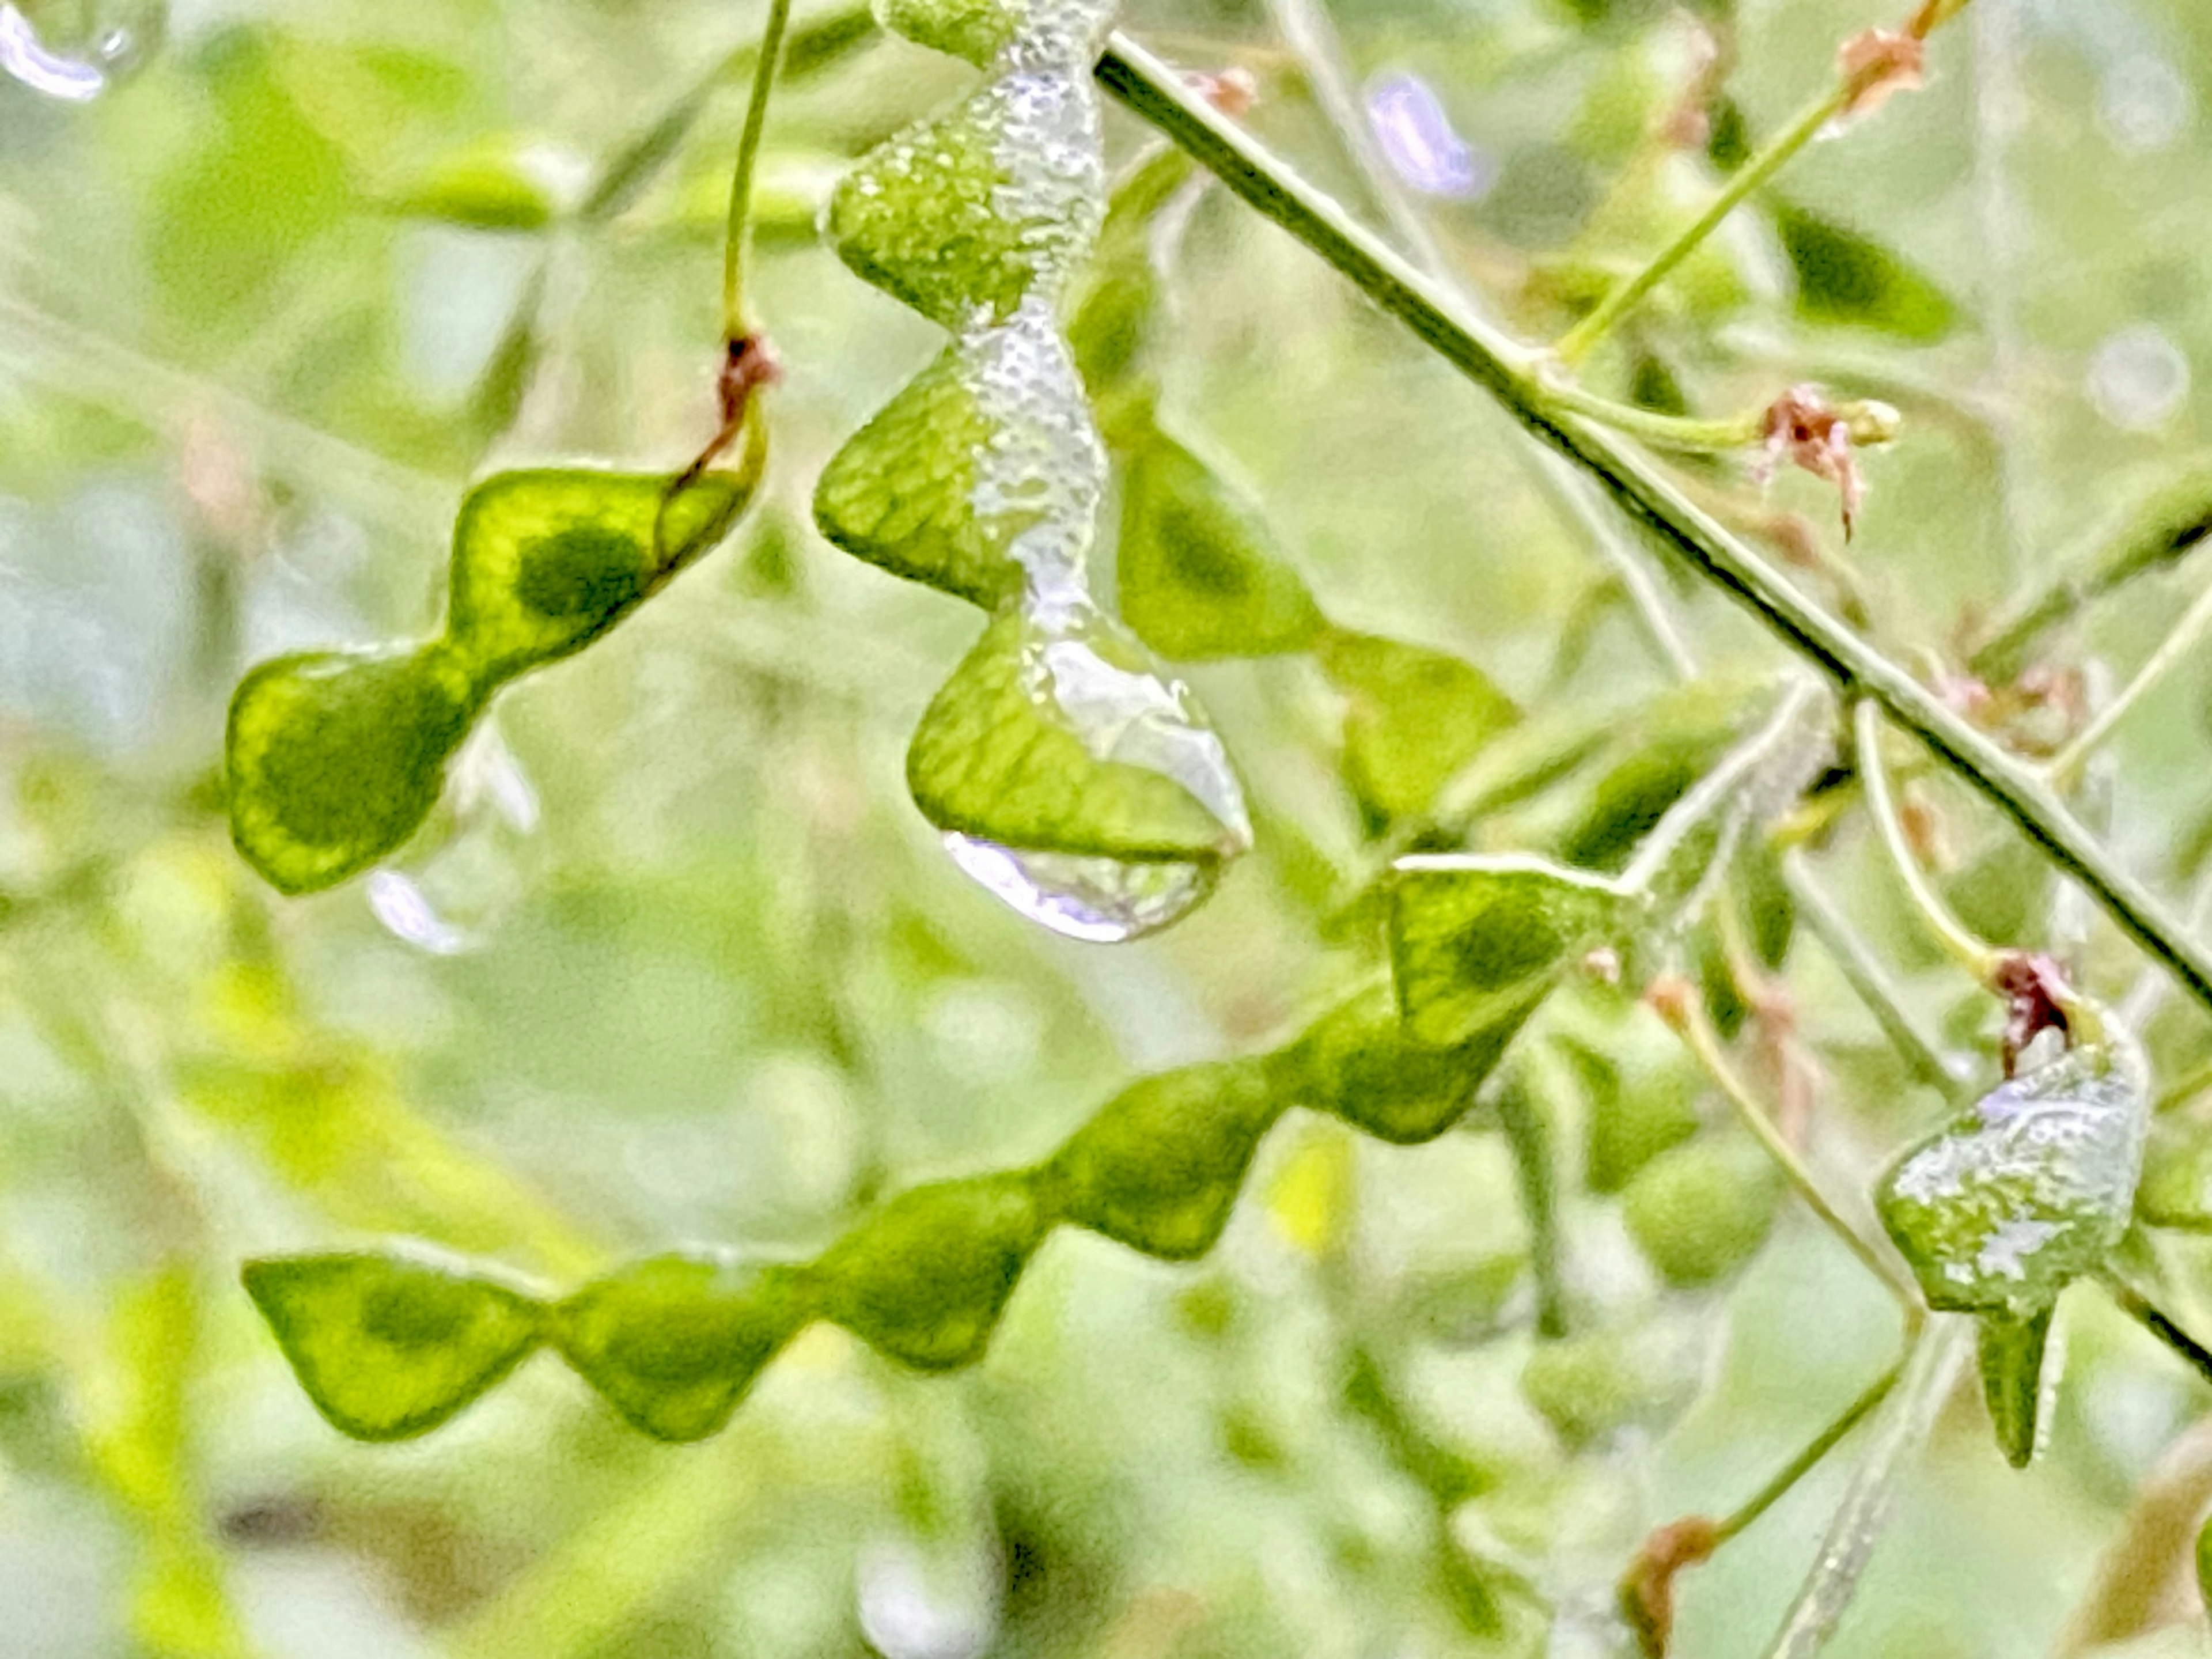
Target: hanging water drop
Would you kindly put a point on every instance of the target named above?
(1074, 781)
(107, 42)
(465, 873)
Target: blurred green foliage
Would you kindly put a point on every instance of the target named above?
(269, 304)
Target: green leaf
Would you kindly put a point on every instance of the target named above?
(2011, 1352)
(901, 492)
(489, 188)
(389, 1346)
(925, 1278)
(674, 1342)
(1064, 740)
(1699, 1211)
(2204, 1565)
(1639, 1091)
(1844, 277)
(336, 759)
(1159, 1167)
(1198, 574)
(1413, 719)
(960, 214)
(977, 30)
(1112, 321)
(1474, 936)
(1678, 862)
(1361, 1063)
(2027, 1189)
(1661, 756)
(547, 560)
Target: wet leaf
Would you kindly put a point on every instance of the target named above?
(2011, 1354)
(925, 1278)
(1845, 277)
(900, 492)
(674, 1342)
(2027, 1189)
(389, 1346)
(1198, 576)
(336, 759)
(1413, 718)
(977, 30)
(960, 214)
(1472, 937)
(1159, 1167)
(546, 560)
(1064, 740)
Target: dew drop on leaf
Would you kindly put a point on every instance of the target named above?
(77, 57)
(1073, 782)
(464, 873)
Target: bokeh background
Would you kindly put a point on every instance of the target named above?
(680, 962)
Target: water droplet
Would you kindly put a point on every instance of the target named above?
(2138, 378)
(1102, 901)
(464, 873)
(79, 66)
(1418, 136)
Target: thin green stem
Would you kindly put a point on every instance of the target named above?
(1869, 980)
(1505, 370)
(1971, 953)
(736, 325)
(1818, 1448)
(2065, 767)
(2161, 536)
(1683, 433)
(1689, 1017)
(1770, 160)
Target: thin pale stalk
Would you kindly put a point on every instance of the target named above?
(1929, 1371)
(1814, 1451)
(1971, 953)
(1696, 1027)
(1505, 370)
(2065, 767)
(1868, 979)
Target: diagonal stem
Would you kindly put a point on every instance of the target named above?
(1506, 369)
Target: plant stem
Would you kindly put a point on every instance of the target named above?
(735, 323)
(2160, 1324)
(813, 43)
(1689, 1018)
(1676, 432)
(2065, 767)
(1770, 160)
(1504, 369)
(1854, 959)
(1970, 952)
(1819, 1447)
(1929, 1371)
(2163, 535)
